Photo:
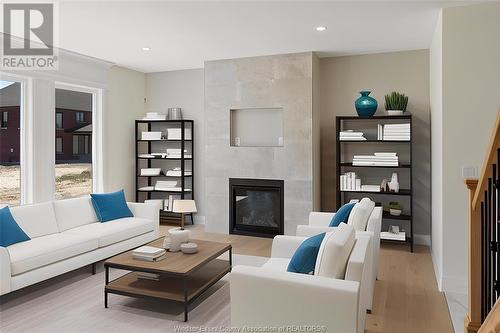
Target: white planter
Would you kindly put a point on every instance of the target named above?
(395, 112)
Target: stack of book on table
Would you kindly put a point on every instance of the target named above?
(377, 159)
(394, 132)
(148, 253)
(351, 136)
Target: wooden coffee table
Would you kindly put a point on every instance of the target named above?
(184, 276)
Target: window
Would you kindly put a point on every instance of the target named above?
(59, 120)
(10, 143)
(80, 117)
(59, 145)
(5, 119)
(74, 144)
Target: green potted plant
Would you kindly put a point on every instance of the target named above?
(395, 208)
(396, 103)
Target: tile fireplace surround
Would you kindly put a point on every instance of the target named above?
(282, 81)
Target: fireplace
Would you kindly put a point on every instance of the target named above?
(256, 207)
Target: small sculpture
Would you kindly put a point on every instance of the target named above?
(394, 183)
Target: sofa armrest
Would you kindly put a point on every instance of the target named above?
(309, 231)
(320, 219)
(262, 297)
(146, 211)
(285, 246)
(5, 274)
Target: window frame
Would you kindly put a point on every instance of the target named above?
(62, 145)
(97, 135)
(62, 120)
(4, 121)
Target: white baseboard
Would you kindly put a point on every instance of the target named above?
(437, 272)
(454, 284)
(422, 239)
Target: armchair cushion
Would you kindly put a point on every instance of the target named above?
(342, 215)
(360, 214)
(304, 259)
(110, 206)
(10, 232)
(334, 252)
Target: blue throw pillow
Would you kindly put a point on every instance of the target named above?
(342, 215)
(304, 258)
(110, 206)
(10, 232)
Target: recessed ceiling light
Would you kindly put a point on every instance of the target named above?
(321, 28)
(146, 49)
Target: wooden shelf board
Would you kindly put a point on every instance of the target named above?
(401, 192)
(401, 165)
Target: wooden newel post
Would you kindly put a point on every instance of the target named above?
(473, 317)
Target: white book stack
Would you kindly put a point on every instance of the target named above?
(166, 185)
(154, 116)
(176, 153)
(176, 172)
(377, 159)
(148, 276)
(169, 203)
(370, 188)
(148, 253)
(352, 136)
(394, 132)
(350, 182)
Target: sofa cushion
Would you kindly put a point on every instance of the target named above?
(72, 213)
(45, 250)
(360, 214)
(115, 231)
(110, 206)
(36, 220)
(279, 264)
(304, 258)
(334, 252)
(342, 215)
(10, 232)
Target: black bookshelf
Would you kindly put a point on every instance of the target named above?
(372, 142)
(150, 146)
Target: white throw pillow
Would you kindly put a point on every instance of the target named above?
(334, 252)
(360, 213)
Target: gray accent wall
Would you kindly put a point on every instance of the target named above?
(282, 81)
(341, 80)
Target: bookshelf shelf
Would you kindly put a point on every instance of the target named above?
(354, 147)
(185, 162)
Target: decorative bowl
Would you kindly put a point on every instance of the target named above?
(395, 212)
(189, 248)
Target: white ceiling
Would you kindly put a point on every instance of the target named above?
(184, 34)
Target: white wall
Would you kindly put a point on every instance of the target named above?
(125, 103)
(436, 100)
(471, 99)
(183, 89)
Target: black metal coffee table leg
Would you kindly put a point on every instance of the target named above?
(106, 277)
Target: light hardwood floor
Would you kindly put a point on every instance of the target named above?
(406, 297)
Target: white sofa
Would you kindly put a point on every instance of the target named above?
(269, 296)
(319, 221)
(66, 235)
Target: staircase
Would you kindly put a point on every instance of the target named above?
(484, 243)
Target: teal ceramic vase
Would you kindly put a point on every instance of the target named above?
(366, 106)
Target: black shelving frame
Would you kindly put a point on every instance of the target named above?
(342, 165)
(164, 215)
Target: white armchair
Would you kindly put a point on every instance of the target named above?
(319, 221)
(269, 296)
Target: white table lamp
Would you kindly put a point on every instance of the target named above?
(179, 236)
(184, 207)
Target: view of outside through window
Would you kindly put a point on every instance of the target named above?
(10, 143)
(73, 144)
